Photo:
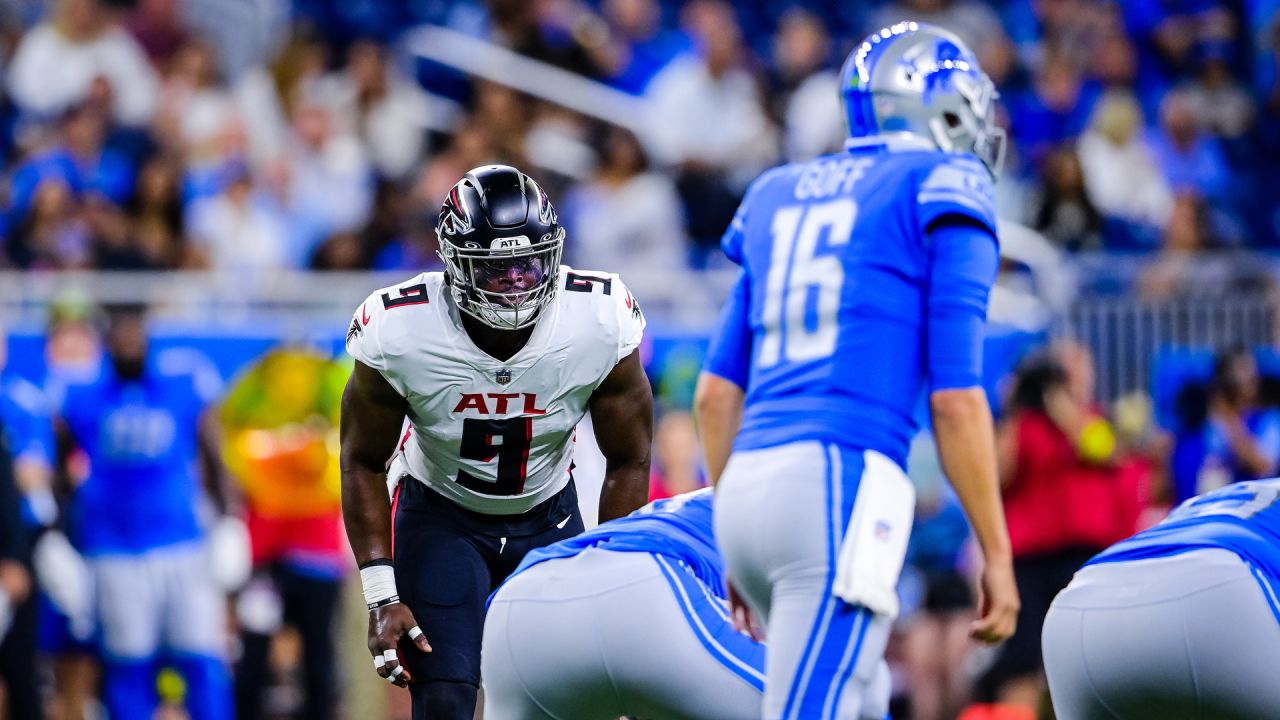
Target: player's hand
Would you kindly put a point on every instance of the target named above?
(998, 604)
(387, 625)
(743, 622)
(15, 583)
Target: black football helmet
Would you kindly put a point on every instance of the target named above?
(501, 242)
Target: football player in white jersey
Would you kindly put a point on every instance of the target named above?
(494, 361)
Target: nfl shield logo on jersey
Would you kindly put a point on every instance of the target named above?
(503, 377)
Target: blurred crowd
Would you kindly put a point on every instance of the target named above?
(252, 135)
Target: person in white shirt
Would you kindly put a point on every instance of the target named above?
(57, 62)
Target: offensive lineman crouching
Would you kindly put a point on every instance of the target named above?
(627, 619)
(494, 361)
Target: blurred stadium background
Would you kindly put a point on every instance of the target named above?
(251, 169)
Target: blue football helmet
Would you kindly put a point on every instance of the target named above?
(921, 84)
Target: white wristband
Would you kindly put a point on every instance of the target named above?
(379, 583)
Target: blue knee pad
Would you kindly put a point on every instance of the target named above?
(208, 681)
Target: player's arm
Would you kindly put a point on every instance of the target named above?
(217, 479)
(721, 390)
(622, 415)
(717, 405)
(32, 433)
(15, 582)
(372, 414)
(230, 554)
(62, 573)
(963, 261)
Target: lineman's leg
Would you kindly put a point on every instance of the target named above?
(506, 695)
(1191, 635)
(443, 578)
(707, 669)
(606, 634)
(542, 656)
(195, 631)
(129, 595)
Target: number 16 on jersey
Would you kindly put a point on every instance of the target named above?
(797, 273)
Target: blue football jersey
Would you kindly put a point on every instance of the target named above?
(678, 527)
(837, 268)
(1243, 518)
(27, 424)
(28, 428)
(141, 438)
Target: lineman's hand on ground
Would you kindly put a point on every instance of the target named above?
(387, 625)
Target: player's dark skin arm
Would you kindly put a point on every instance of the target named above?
(622, 415)
(372, 414)
(217, 478)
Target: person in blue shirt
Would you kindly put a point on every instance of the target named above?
(627, 619)
(29, 430)
(24, 447)
(1228, 434)
(1178, 621)
(61, 580)
(139, 525)
(864, 284)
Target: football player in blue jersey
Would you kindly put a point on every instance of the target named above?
(60, 618)
(628, 619)
(864, 283)
(1179, 621)
(141, 424)
(25, 429)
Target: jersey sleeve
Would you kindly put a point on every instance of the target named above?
(206, 382)
(962, 266)
(363, 341)
(957, 188)
(31, 429)
(631, 322)
(364, 338)
(729, 355)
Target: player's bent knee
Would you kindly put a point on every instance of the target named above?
(443, 700)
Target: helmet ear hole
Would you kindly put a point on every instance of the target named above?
(953, 120)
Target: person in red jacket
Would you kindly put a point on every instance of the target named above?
(1067, 494)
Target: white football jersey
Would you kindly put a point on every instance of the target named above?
(495, 436)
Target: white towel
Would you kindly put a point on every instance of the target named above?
(875, 545)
